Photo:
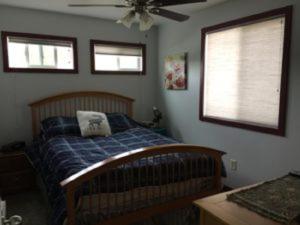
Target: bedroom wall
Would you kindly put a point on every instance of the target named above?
(260, 156)
(19, 89)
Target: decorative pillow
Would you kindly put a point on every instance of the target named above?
(120, 122)
(55, 126)
(93, 124)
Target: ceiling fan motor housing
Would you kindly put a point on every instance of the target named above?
(140, 6)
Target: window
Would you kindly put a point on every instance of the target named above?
(39, 53)
(118, 58)
(244, 72)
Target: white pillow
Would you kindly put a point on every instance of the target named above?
(93, 124)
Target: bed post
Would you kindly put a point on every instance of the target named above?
(218, 169)
(70, 205)
(130, 109)
(33, 117)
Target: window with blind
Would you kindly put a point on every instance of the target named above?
(39, 53)
(244, 72)
(118, 58)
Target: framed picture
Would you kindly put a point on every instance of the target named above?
(176, 72)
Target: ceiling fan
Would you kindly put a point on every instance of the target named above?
(142, 7)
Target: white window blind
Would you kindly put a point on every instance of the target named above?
(118, 58)
(118, 50)
(243, 70)
(38, 41)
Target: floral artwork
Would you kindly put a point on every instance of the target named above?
(176, 72)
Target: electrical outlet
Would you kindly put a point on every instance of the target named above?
(233, 165)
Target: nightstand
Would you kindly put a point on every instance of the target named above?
(217, 210)
(159, 130)
(16, 172)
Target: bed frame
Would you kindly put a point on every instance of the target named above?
(178, 194)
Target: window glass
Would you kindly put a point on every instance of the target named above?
(106, 62)
(130, 62)
(64, 57)
(34, 55)
(118, 58)
(18, 59)
(49, 55)
(30, 52)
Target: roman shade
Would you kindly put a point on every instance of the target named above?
(36, 41)
(244, 71)
(118, 50)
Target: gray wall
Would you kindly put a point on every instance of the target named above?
(260, 156)
(19, 89)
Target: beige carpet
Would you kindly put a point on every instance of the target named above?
(30, 205)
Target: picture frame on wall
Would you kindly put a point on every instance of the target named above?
(175, 75)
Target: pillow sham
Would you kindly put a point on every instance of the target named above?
(54, 126)
(93, 124)
(120, 122)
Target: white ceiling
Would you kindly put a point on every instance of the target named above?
(101, 12)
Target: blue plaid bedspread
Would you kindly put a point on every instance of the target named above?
(62, 156)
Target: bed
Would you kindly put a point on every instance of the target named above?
(121, 179)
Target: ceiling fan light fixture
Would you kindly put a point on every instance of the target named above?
(128, 19)
(146, 21)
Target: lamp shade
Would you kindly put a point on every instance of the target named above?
(146, 21)
(128, 19)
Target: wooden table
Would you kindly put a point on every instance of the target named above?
(216, 210)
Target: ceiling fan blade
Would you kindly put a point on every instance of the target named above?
(161, 3)
(96, 2)
(169, 14)
(98, 5)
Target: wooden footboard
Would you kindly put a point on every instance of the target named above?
(139, 184)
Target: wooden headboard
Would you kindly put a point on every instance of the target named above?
(67, 105)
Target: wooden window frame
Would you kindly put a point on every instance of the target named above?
(6, 68)
(122, 44)
(287, 12)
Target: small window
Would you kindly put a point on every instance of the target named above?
(118, 58)
(39, 53)
(244, 72)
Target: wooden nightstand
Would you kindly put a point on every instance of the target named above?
(16, 172)
(216, 210)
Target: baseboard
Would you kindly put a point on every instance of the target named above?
(227, 188)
